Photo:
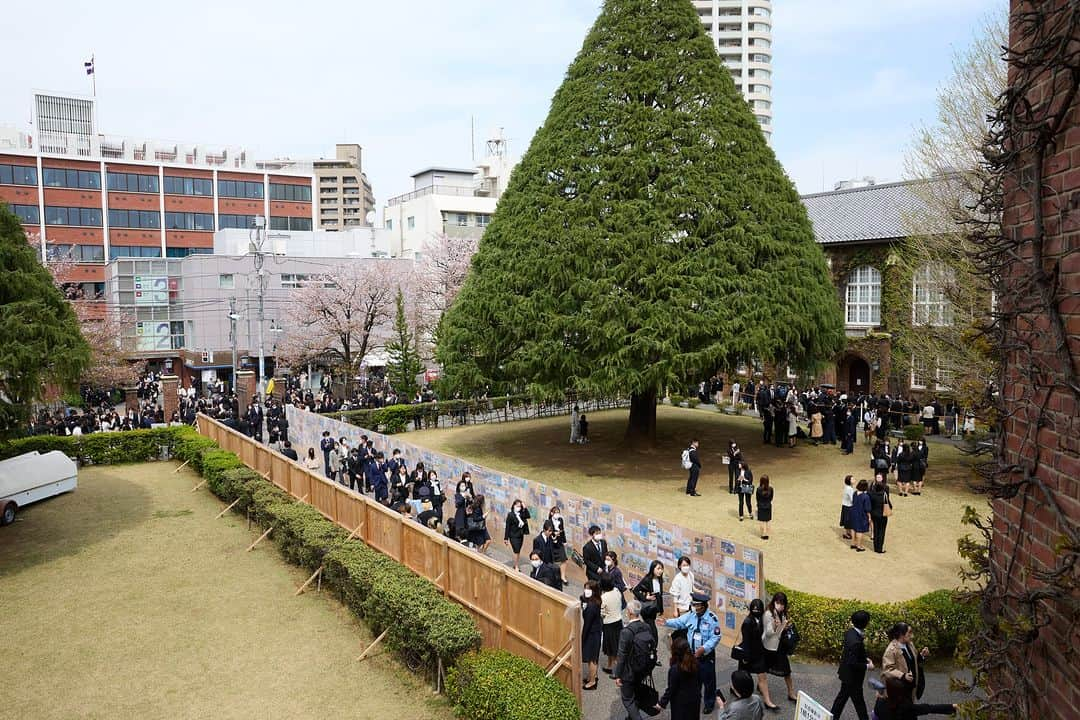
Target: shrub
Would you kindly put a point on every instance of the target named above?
(676, 399)
(692, 403)
(939, 619)
(101, 448)
(914, 432)
(495, 685)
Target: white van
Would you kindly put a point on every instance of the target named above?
(34, 476)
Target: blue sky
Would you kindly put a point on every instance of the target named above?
(403, 79)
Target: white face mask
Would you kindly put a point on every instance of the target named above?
(588, 592)
(557, 516)
(598, 537)
(685, 569)
(535, 563)
(608, 563)
(517, 508)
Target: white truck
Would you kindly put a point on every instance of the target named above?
(34, 476)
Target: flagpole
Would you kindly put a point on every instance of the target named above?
(93, 75)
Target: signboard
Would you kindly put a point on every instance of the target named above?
(728, 572)
(807, 708)
(152, 335)
(151, 290)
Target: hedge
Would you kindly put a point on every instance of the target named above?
(495, 685)
(914, 432)
(101, 448)
(939, 620)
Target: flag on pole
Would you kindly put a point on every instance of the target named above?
(89, 65)
(270, 387)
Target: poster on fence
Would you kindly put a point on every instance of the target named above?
(729, 572)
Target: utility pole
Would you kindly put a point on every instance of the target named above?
(258, 238)
(232, 337)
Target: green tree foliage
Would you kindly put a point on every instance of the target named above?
(648, 231)
(403, 361)
(39, 334)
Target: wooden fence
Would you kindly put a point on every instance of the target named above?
(514, 612)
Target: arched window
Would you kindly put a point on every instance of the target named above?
(929, 304)
(864, 296)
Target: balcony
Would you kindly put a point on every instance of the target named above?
(451, 190)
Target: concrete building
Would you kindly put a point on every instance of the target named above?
(456, 201)
(742, 33)
(344, 195)
(176, 310)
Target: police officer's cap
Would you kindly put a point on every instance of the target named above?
(699, 598)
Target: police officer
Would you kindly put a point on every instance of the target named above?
(702, 629)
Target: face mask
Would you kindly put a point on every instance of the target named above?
(588, 592)
(685, 570)
(608, 563)
(536, 563)
(557, 516)
(517, 508)
(598, 537)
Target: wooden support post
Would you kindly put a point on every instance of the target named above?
(353, 534)
(266, 476)
(182, 466)
(559, 661)
(372, 645)
(261, 538)
(303, 499)
(203, 482)
(316, 574)
(231, 506)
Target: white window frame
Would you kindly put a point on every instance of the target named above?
(862, 297)
(924, 375)
(227, 281)
(929, 305)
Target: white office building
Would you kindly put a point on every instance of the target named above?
(742, 33)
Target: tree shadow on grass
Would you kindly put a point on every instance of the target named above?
(104, 504)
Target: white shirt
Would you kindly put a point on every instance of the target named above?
(681, 587)
(849, 496)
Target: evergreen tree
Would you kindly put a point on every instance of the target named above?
(40, 341)
(403, 361)
(648, 231)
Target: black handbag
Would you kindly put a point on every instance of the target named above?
(789, 640)
(738, 653)
(646, 697)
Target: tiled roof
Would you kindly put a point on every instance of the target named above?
(875, 212)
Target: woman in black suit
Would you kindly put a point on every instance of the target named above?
(515, 529)
(592, 626)
(650, 589)
(683, 691)
(753, 660)
(896, 704)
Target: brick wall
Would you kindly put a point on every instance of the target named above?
(1026, 531)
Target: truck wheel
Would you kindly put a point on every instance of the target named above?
(9, 514)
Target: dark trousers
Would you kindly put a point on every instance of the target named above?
(850, 691)
(767, 422)
(828, 432)
(691, 482)
(880, 523)
(629, 703)
(707, 675)
(326, 463)
(747, 498)
(355, 483)
(731, 469)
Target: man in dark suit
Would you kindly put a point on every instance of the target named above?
(853, 666)
(544, 572)
(288, 452)
(543, 546)
(695, 469)
(593, 553)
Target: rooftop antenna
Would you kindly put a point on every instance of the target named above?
(496, 146)
(472, 137)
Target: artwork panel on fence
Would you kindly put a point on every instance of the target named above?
(729, 572)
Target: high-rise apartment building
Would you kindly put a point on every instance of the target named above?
(344, 193)
(742, 33)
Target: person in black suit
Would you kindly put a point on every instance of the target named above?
(695, 469)
(593, 553)
(543, 544)
(544, 572)
(854, 663)
(683, 685)
(288, 452)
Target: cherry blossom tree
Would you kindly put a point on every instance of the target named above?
(343, 314)
(440, 273)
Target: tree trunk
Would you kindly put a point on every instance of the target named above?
(641, 430)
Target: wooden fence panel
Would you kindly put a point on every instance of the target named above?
(512, 611)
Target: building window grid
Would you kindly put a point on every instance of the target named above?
(72, 216)
(18, 175)
(930, 305)
(131, 182)
(863, 305)
(246, 189)
(27, 214)
(189, 221)
(72, 179)
(135, 219)
(201, 187)
(290, 192)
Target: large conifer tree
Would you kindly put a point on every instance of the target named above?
(40, 341)
(648, 232)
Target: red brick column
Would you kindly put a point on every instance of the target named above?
(279, 389)
(245, 387)
(131, 398)
(169, 400)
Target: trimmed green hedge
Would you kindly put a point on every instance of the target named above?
(101, 448)
(914, 432)
(939, 620)
(495, 685)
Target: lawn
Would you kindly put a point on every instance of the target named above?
(804, 551)
(128, 599)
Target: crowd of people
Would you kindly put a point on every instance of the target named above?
(100, 414)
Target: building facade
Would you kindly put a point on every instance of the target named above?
(741, 30)
(861, 227)
(343, 198)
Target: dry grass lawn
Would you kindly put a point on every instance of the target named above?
(127, 599)
(804, 551)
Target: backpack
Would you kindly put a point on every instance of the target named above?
(642, 653)
(686, 464)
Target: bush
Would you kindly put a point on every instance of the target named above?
(938, 618)
(914, 432)
(692, 403)
(101, 448)
(676, 399)
(495, 685)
